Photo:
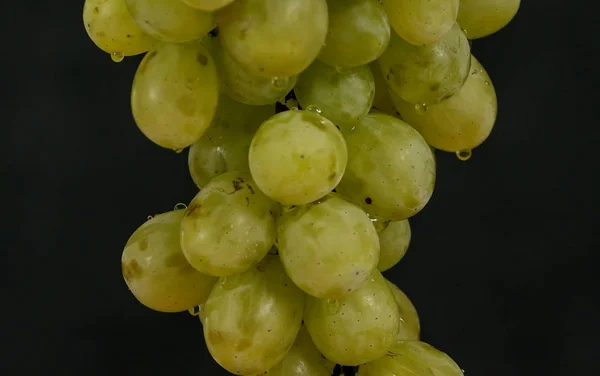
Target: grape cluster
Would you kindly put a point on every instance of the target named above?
(311, 127)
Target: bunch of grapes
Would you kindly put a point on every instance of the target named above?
(311, 127)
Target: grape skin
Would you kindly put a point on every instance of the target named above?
(208, 5)
(297, 157)
(228, 226)
(356, 329)
(394, 241)
(111, 28)
(225, 144)
(156, 271)
(251, 320)
(343, 97)
(175, 93)
(480, 18)
(461, 122)
(358, 33)
(328, 248)
(410, 325)
(274, 38)
(427, 74)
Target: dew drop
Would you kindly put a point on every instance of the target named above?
(487, 83)
(314, 109)
(194, 311)
(178, 151)
(278, 82)
(464, 155)
(421, 108)
(150, 217)
(117, 57)
(180, 206)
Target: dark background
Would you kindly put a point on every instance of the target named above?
(501, 268)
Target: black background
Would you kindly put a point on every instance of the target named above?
(502, 264)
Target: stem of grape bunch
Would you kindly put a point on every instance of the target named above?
(311, 128)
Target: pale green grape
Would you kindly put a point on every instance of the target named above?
(156, 271)
(208, 5)
(228, 227)
(356, 329)
(303, 359)
(461, 122)
(251, 319)
(344, 97)
(175, 94)
(382, 100)
(394, 242)
(391, 169)
(410, 325)
(297, 157)
(171, 20)
(358, 33)
(274, 38)
(225, 144)
(427, 74)
(328, 248)
(480, 18)
(111, 27)
(247, 87)
(412, 358)
(421, 22)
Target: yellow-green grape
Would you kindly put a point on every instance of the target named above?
(156, 271)
(480, 18)
(246, 87)
(274, 38)
(344, 97)
(252, 319)
(391, 169)
(410, 325)
(357, 328)
(358, 33)
(382, 100)
(412, 358)
(328, 248)
(303, 359)
(171, 20)
(225, 144)
(297, 157)
(175, 94)
(425, 75)
(394, 242)
(461, 122)
(421, 22)
(208, 5)
(111, 27)
(228, 227)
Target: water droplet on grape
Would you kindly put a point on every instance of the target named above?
(194, 311)
(150, 217)
(178, 151)
(464, 155)
(278, 82)
(314, 109)
(487, 83)
(421, 108)
(180, 206)
(117, 57)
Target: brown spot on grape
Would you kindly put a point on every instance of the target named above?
(200, 58)
(368, 201)
(191, 211)
(435, 86)
(146, 61)
(131, 270)
(143, 244)
(236, 185)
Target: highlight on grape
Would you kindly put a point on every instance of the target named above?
(312, 127)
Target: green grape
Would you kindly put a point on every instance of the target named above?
(171, 20)
(419, 22)
(358, 33)
(382, 100)
(343, 97)
(480, 18)
(461, 122)
(246, 87)
(156, 271)
(111, 27)
(297, 157)
(379, 224)
(328, 248)
(252, 319)
(228, 226)
(394, 242)
(357, 328)
(391, 169)
(303, 359)
(175, 94)
(274, 38)
(426, 75)
(412, 358)
(225, 144)
(208, 5)
(410, 325)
